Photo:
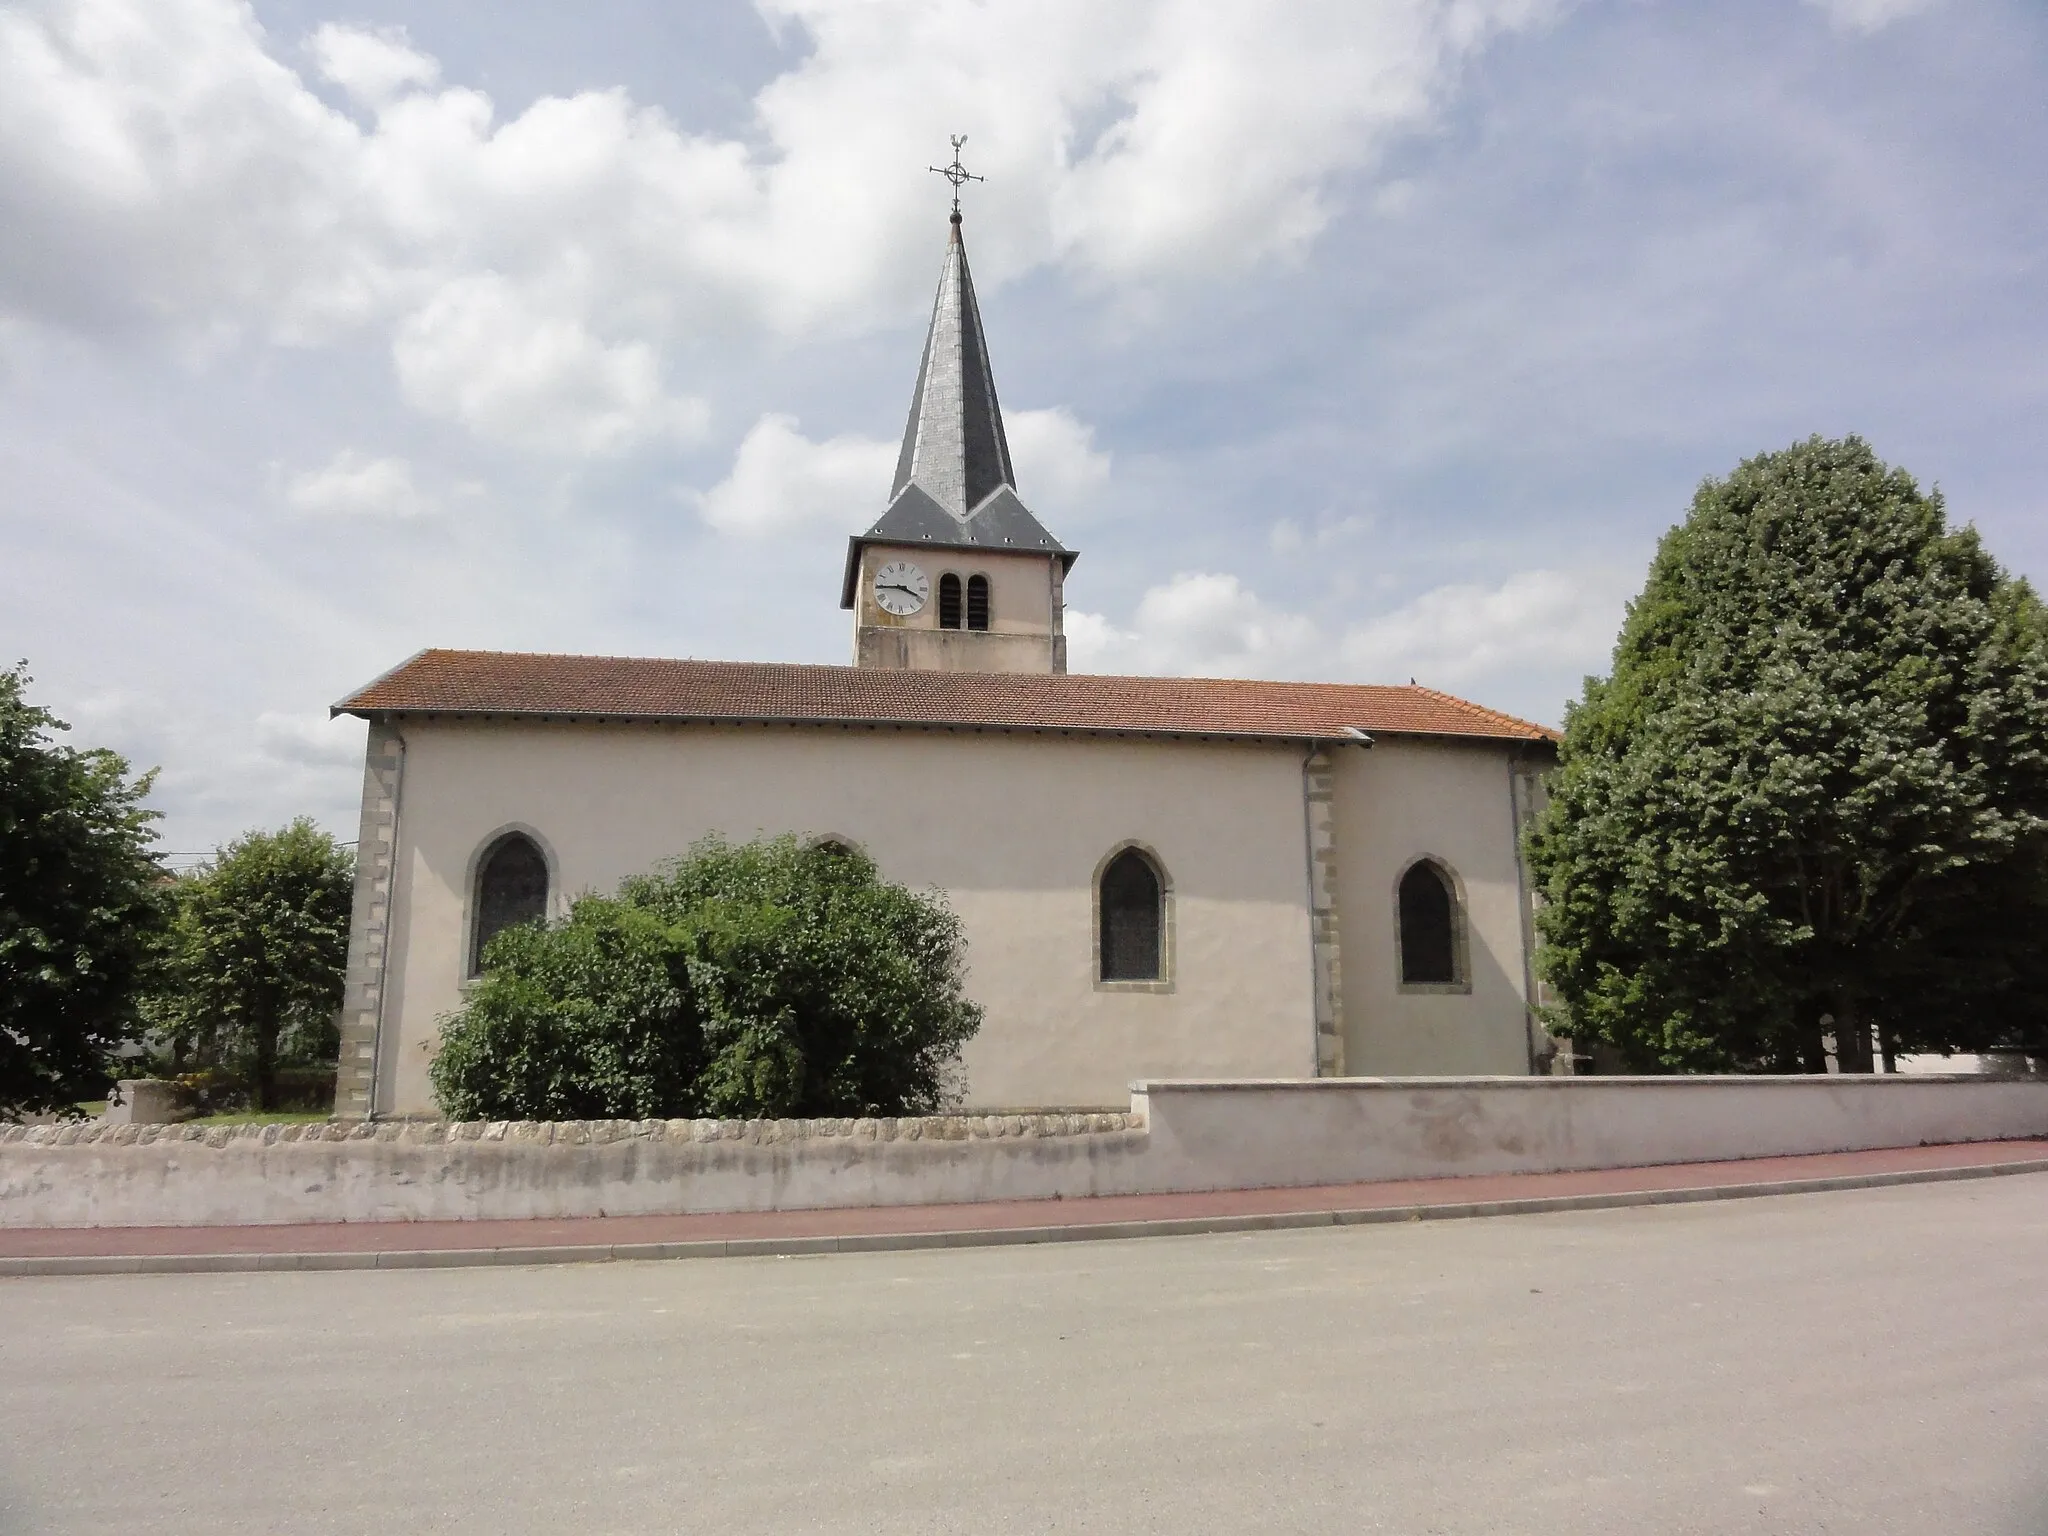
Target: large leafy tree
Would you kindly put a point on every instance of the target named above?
(253, 970)
(767, 978)
(1813, 796)
(80, 906)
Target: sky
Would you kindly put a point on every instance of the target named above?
(1362, 341)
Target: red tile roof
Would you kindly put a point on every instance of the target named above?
(632, 688)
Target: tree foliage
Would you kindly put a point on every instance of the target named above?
(252, 974)
(761, 979)
(1813, 795)
(79, 907)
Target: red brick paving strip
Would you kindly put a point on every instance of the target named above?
(1004, 1215)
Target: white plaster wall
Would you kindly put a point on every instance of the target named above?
(1231, 1135)
(1009, 827)
(1021, 587)
(957, 650)
(1401, 798)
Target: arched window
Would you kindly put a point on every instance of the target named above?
(1131, 898)
(511, 888)
(1429, 927)
(949, 601)
(977, 602)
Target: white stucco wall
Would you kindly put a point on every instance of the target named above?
(1010, 827)
(1403, 798)
(1024, 614)
(1022, 587)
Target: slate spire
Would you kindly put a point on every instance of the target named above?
(953, 445)
(954, 486)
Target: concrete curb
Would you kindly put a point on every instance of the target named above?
(977, 1237)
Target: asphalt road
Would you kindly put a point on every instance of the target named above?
(1863, 1362)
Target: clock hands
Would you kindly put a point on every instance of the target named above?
(907, 582)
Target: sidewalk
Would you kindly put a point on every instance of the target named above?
(434, 1244)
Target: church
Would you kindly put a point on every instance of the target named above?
(1157, 877)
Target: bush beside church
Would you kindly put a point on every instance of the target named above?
(763, 979)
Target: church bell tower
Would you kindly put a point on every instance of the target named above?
(957, 575)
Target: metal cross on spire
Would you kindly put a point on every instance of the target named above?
(956, 173)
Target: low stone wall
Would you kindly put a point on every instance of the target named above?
(1208, 1135)
(566, 1133)
(96, 1174)
(1178, 1136)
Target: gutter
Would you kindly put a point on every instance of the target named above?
(1349, 735)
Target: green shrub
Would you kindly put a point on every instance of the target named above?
(763, 979)
(1812, 799)
(251, 978)
(80, 908)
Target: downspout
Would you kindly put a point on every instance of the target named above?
(384, 942)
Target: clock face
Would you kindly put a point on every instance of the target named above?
(901, 588)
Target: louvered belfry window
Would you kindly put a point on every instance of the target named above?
(977, 602)
(1429, 949)
(949, 601)
(511, 888)
(1131, 919)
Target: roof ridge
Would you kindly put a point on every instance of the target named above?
(444, 681)
(1548, 732)
(662, 661)
(1330, 683)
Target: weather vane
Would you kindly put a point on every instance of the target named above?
(956, 173)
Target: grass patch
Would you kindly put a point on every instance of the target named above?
(256, 1117)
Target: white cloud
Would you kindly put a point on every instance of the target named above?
(1198, 624)
(536, 272)
(483, 354)
(1456, 634)
(157, 164)
(1229, 119)
(783, 483)
(1871, 15)
(1289, 537)
(231, 773)
(1207, 624)
(353, 485)
(375, 68)
(1060, 471)
(310, 741)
